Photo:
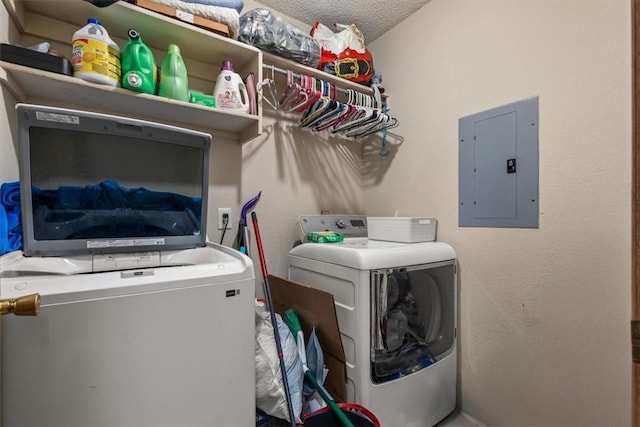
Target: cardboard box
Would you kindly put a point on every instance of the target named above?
(315, 308)
(199, 21)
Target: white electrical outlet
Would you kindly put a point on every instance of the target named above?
(221, 212)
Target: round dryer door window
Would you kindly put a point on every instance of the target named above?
(412, 319)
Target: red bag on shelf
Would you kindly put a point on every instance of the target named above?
(344, 54)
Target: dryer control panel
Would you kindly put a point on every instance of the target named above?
(349, 225)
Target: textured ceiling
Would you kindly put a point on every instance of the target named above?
(373, 17)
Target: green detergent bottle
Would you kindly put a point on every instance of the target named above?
(138, 65)
(173, 76)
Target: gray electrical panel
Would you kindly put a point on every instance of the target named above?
(498, 167)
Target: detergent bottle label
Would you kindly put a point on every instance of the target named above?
(228, 99)
(95, 56)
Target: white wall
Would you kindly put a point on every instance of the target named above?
(544, 314)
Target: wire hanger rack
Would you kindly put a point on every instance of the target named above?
(324, 106)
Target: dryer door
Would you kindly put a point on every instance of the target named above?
(413, 318)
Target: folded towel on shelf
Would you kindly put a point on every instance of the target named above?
(233, 4)
(10, 223)
(224, 15)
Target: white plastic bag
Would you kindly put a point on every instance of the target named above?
(270, 396)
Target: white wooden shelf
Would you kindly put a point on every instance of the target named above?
(33, 85)
(202, 50)
(157, 30)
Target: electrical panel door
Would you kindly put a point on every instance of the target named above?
(498, 167)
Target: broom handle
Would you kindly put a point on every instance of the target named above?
(274, 322)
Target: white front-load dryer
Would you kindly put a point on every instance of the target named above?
(396, 305)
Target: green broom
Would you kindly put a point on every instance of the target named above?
(292, 321)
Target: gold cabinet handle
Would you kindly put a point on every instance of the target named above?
(28, 305)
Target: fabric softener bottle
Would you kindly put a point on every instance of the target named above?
(138, 65)
(173, 76)
(230, 91)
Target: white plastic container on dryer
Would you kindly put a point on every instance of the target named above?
(402, 229)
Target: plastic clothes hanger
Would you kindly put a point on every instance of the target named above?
(332, 109)
(323, 109)
(271, 97)
(298, 97)
(384, 120)
(309, 88)
(292, 95)
(358, 116)
(377, 98)
(364, 116)
(317, 110)
(342, 112)
(391, 123)
(387, 122)
(364, 125)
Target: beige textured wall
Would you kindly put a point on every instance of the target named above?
(299, 173)
(544, 314)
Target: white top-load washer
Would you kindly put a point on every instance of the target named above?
(153, 338)
(396, 305)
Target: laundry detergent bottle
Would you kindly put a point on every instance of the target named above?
(230, 91)
(95, 57)
(138, 65)
(173, 76)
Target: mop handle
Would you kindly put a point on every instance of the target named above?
(274, 322)
(256, 231)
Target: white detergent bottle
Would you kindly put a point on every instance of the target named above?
(95, 57)
(230, 91)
